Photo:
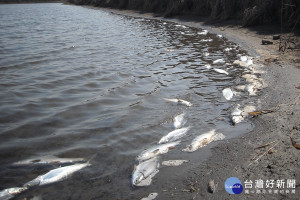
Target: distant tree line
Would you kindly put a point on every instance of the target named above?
(27, 1)
(249, 12)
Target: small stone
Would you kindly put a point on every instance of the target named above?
(211, 186)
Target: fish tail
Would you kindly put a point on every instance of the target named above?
(91, 158)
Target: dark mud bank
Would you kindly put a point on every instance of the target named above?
(248, 12)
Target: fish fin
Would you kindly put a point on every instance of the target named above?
(92, 157)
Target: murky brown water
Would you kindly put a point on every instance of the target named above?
(79, 82)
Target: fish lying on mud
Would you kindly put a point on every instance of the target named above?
(179, 101)
(144, 172)
(221, 71)
(156, 150)
(203, 140)
(151, 196)
(56, 175)
(227, 93)
(206, 40)
(241, 63)
(237, 115)
(174, 162)
(251, 90)
(174, 135)
(179, 121)
(244, 58)
(11, 192)
(48, 160)
(204, 32)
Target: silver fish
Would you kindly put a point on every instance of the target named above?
(174, 135)
(206, 40)
(244, 58)
(208, 66)
(221, 71)
(151, 196)
(179, 121)
(48, 160)
(200, 141)
(174, 162)
(221, 60)
(144, 172)
(227, 93)
(11, 192)
(204, 32)
(241, 63)
(56, 175)
(156, 150)
(179, 101)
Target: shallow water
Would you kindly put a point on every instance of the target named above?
(79, 82)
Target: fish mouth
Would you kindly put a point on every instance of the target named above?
(136, 181)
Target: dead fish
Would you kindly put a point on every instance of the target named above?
(243, 58)
(250, 62)
(174, 135)
(206, 40)
(200, 141)
(11, 192)
(206, 54)
(204, 32)
(221, 71)
(174, 162)
(179, 121)
(208, 66)
(241, 63)
(221, 60)
(236, 116)
(240, 87)
(179, 25)
(156, 150)
(144, 172)
(150, 197)
(227, 93)
(251, 89)
(48, 160)
(56, 175)
(179, 101)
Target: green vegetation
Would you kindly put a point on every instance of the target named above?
(249, 12)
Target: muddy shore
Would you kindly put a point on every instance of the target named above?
(240, 157)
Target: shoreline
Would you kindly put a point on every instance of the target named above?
(239, 157)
